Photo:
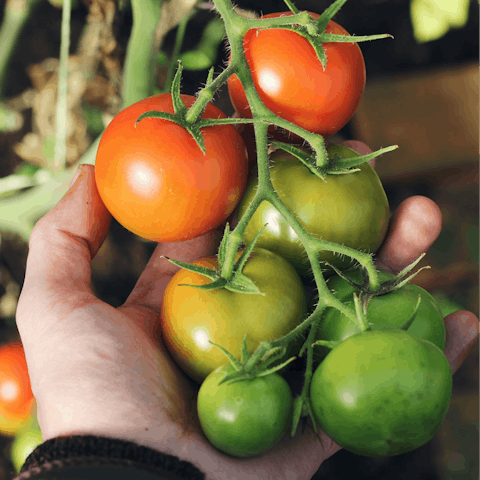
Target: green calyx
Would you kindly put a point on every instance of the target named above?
(236, 281)
(314, 31)
(253, 366)
(338, 163)
(190, 118)
(395, 283)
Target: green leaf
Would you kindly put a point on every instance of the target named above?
(246, 253)
(210, 76)
(317, 45)
(222, 249)
(216, 285)
(340, 274)
(236, 377)
(178, 106)
(328, 344)
(157, 114)
(272, 355)
(361, 314)
(407, 324)
(206, 272)
(297, 413)
(328, 14)
(399, 280)
(242, 284)
(343, 172)
(269, 371)
(312, 416)
(194, 131)
(245, 352)
(235, 363)
(335, 38)
(304, 157)
(338, 163)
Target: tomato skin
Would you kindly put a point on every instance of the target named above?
(155, 180)
(244, 418)
(190, 317)
(350, 209)
(16, 397)
(382, 392)
(388, 311)
(291, 82)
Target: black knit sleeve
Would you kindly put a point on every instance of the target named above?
(94, 458)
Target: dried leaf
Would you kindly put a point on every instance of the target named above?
(172, 13)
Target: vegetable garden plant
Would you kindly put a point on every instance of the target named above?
(172, 167)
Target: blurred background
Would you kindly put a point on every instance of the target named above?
(422, 94)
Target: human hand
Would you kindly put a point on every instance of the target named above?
(105, 371)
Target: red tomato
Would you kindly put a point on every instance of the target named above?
(155, 180)
(291, 82)
(16, 397)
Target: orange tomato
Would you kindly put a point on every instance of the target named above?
(16, 397)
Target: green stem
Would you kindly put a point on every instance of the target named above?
(14, 19)
(237, 235)
(206, 94)
(141, 57)
(60, 157)
(291, 6)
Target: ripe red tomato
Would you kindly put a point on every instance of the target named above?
(291, 82)
(155, 180)
(16, 397)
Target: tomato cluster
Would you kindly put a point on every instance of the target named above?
(381, 391)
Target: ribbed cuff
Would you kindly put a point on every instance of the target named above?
(91, 451)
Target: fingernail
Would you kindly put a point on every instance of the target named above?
(76, 175)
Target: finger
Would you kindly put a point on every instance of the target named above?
(150, 286)
(413, 228)
(63, 243)
(359, 147)
(462, 335)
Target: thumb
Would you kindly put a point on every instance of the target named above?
(62, 245)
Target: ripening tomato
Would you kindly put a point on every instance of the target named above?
(292, 83)
(382, 392)
(350, 209)
(155, 180)
(191, 317)
(247, 417)
(16, 397)
(384, 312)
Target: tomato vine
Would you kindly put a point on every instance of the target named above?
(229, 272)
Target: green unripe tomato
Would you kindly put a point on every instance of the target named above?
(247, 417)
(382, 392)
(349, 209)
(25, 442)
(385, 312)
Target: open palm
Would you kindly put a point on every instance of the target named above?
(100, 370)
